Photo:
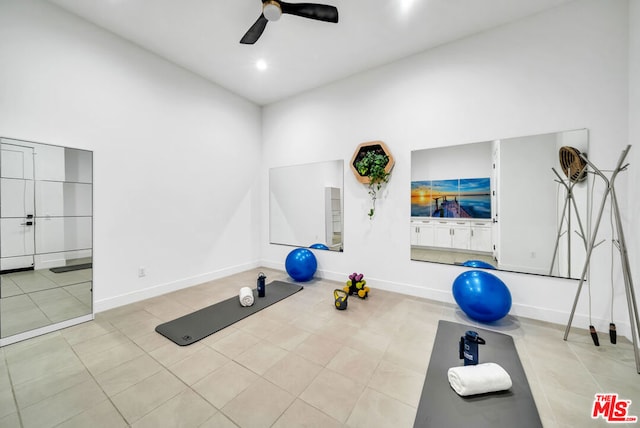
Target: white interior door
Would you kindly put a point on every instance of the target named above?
(495, 208)
(17, 210)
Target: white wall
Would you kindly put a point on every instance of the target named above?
(173, 153)
(633, 232)
(560, 70)
(526, 202)
(453, 162)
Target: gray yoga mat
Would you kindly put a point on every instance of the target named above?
(71, 268)
(441, 407)
(197, 325)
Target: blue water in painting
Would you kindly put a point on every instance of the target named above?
(477, 207)
(420, 210)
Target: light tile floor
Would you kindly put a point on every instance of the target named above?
(37, 298)
(299, 362)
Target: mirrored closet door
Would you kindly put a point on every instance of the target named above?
(46, 222)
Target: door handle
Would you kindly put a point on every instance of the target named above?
(28, 223)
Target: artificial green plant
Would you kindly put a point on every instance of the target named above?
(372, 165)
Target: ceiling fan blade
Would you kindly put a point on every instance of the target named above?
(320, 12)
(255, 31)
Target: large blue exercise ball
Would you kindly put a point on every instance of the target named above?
(478, 264)
(482, 295)
(301, 264)
(319, 246)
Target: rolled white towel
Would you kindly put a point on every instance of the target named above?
(478, 379)
(246, 296)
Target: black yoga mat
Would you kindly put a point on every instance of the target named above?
(70, 268)
(197, 325)
(441, 407)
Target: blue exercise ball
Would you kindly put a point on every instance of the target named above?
(482, 295)
(478, 264)
(319, 246)
(301, 264)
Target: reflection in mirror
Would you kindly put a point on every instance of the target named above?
(305, 205)
(46, 235)
(508, 203)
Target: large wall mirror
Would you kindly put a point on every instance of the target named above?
(512, 204)
(306, 205)
(45, 235)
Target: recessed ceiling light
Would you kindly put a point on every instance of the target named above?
(406, 5)
(261, 65)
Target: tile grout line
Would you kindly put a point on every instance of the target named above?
(131, 386)
(544, 397)
(296, 397)
(13, 393)
(108, 398)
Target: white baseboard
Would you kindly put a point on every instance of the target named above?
(160, 289)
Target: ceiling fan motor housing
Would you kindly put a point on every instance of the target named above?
(272, 10)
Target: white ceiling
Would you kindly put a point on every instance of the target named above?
(203, 36)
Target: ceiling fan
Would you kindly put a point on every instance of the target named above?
(273, 9)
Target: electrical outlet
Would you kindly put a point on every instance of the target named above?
(142, 271)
